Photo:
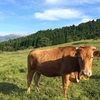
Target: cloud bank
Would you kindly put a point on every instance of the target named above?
(56, 14)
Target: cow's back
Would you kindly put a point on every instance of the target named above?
(52, 54)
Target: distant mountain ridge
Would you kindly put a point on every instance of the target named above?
(10, 36)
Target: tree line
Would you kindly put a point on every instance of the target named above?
(42, 38)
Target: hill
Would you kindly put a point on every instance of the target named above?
(10, 36)
(42, 38)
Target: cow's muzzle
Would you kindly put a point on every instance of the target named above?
(86, 72)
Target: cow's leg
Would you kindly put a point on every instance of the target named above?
(29, 79)
(65, 82)
(36, 79)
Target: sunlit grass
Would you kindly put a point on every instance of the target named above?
(13, 71)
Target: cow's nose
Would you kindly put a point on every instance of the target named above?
(87, 72)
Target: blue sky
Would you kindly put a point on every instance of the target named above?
(29, 16)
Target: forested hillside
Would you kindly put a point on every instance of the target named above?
(42, 38)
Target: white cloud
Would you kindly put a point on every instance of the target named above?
(52, 1)
(86, 19)
(56, 14)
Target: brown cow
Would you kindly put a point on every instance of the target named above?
(97, 54)
(60, 62)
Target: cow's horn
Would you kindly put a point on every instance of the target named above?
(94, 48)
(77, 48)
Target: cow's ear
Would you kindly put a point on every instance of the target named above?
(96, 54)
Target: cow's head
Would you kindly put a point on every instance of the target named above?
(85, 58)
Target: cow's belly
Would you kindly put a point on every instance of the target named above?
(49, 70)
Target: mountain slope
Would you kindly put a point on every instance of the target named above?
(10, 36)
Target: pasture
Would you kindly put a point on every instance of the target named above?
(13, 85)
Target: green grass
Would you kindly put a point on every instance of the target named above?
(13, 71)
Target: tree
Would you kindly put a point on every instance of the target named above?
(43, 41)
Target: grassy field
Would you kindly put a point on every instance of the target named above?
(13, 71)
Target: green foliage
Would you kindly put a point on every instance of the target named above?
(13, 84)
(42, 38)
(43, 41)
